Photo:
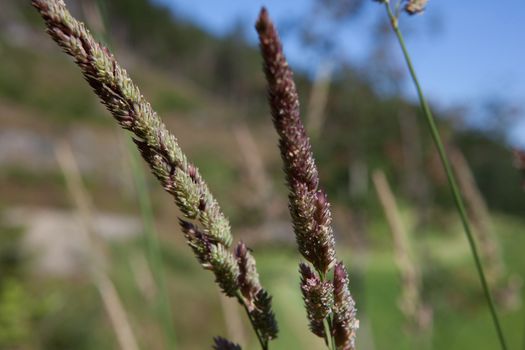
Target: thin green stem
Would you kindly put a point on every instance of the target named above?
(152, 243)
(331, 323)
(328, 338)
(450, 175)
(523, 320)
(262, 342)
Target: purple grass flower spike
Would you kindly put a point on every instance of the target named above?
(224, 344)
(318, 298)
(263, 315)
(248, 276)
(345, 323)
(309, 207)
(308, 203)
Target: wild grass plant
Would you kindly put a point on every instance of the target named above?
(235, 271)
(329, 305)
(325, 283)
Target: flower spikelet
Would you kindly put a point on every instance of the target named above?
(345, 323)
(248, 276)
(413, 7)
(224, 344)
(318, 298)
(199, 242)
(263, 316)
(213, 256)
(224, 266)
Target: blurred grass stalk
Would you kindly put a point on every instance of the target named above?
(410, 274)
(110, 298)
(458, 200)
(315, 117)
(232, 319)
(507, 286)
(419, 316)
(253, 167)
(481, 220)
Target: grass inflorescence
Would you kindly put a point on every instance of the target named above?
(168, 163)
(308, 203)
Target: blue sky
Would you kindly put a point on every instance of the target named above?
(476, 53)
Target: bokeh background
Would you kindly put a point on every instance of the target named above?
(82, 222)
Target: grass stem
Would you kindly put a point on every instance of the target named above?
(329, 340)
(458, 200)
(262, 342)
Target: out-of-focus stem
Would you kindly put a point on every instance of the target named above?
(480, 217)
(315, 117)
(108, 293)
(329, 340)
(232, 319)
(411, 301)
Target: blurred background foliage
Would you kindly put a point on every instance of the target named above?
(211, 93)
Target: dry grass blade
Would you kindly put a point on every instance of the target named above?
(232, 320)
(315, 117)
(253, 165)
(110, 298)
(480, 218)
(411, 303)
